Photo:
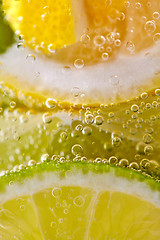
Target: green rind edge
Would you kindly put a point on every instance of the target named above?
(61, 168)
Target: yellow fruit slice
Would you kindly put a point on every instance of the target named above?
(46, 25)
(77, 201)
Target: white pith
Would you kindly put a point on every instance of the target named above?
(96, 181)
(134, 73)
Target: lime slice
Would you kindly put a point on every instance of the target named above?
(35, 127)
(78, 201)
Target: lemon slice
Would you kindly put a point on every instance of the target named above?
(78, 201)
(52, 26)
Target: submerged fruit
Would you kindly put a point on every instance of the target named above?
(6, 33)
(79, 201)
(47, 25)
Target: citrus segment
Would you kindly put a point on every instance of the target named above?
(49, 27)
(143, 27)
(18, 220)
(79, 201)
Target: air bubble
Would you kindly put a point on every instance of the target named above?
(156, 38)
(144, 163)
(126, 4)
(89, 119)
(87, 131)
(30, 58)
(156, 15)
(79, 127)
(12, 104)
(130, 46)
(79, 63)
(51, 103)
(79, 201)
(31, 163)
(116, 141)
(66, 211)
(138, 5)
(140, 147)
(150, 27)
(157, 92)
(53, 224)
(117, 134)
(144, 95)
(117, 42)
(123, 163)
(56, 192)
(22, 207)
(75, 91)
(60, 220)
(110, 38)
(148, 149)
(99, 40)
(77, 150)
(51, 48)
(105, 56)
(134, 108)
(134, 165)
(99, 120)
(47, 118)
(85, 39)
(147, 138)
(113, 160)
(45, 157)
(21, 46)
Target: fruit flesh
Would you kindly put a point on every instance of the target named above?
(129, 130)
(78, 208)
(106, 27)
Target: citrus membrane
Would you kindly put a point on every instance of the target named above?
(78, 201)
